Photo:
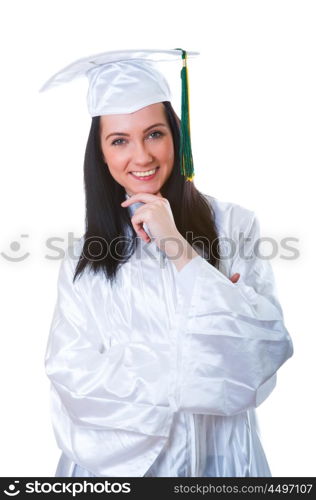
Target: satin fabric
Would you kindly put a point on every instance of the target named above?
(160, 375)
(124, 87)
(121, 81)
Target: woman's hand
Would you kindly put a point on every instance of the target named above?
(235, 277)
(156, 214)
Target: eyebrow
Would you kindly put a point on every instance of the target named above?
(146, 130)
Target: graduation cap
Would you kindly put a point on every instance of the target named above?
(124, 81)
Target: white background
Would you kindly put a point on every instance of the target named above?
(253, 130)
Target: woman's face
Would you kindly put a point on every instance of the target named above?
(138, 143)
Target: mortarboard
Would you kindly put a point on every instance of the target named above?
(124, 81)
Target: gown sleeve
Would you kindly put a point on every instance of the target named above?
(105, 415)
(100, 386)
(233, 337)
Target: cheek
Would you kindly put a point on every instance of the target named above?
(170, 155)
(166, 152)
(114, 159)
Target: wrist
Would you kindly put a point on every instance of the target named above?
(178, 250)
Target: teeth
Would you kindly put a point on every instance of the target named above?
(145, 174)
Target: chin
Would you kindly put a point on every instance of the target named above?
(145, 189)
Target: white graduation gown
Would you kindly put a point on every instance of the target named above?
(161, 374)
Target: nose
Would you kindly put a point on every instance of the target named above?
(142, 155)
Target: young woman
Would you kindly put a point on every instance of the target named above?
(164, 340)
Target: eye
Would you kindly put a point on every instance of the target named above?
(117, 142)
(156, 134)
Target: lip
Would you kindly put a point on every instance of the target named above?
(148, 178)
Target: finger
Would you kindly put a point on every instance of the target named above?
(143, 235)
(143, 197)
(138, 226)
(235, 277)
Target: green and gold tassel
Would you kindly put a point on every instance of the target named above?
(187, 167)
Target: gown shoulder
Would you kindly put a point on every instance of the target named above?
(229, 215)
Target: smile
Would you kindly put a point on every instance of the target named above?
(149, 174)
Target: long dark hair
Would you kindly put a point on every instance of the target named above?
(110, 239)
